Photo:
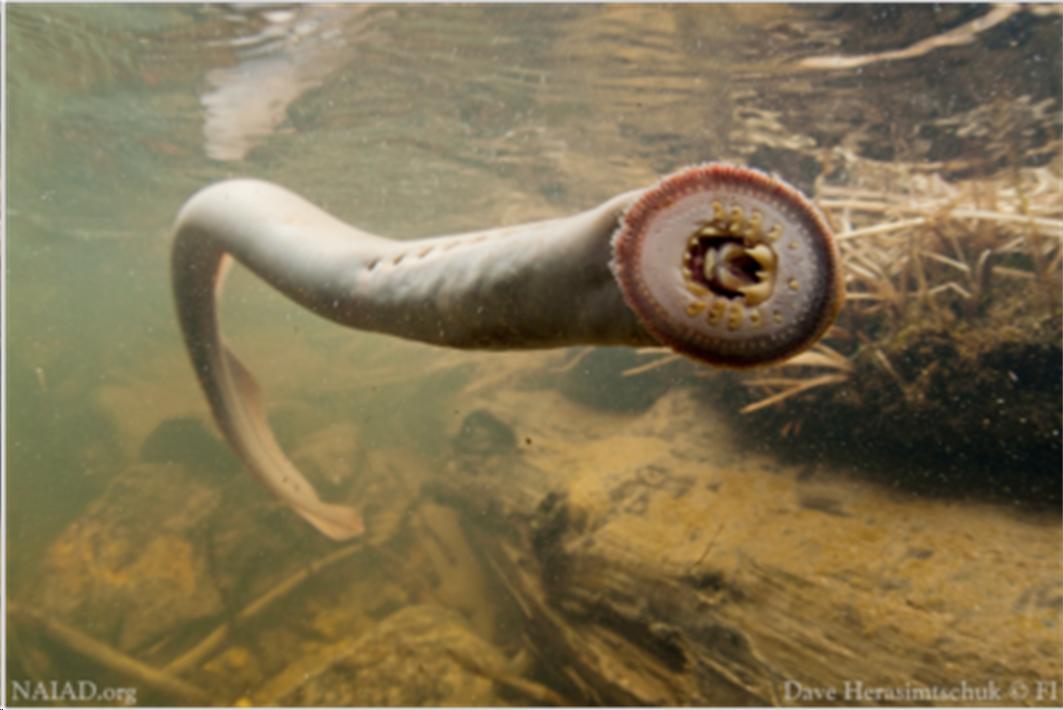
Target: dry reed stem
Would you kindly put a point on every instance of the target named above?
(948, 261)
(950, 286)
(801, 386)
(887, 366)
(574, 360)
(652, 365)
(821, 355)
(921, 241)
(879, 229)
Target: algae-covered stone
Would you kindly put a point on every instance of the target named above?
(411, 658)
(128, 570)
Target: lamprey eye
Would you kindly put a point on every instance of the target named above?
(728, 265)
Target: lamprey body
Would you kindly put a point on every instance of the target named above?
(720, 263)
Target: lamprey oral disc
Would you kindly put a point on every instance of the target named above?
(746, 248)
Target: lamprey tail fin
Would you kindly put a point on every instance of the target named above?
(265, 457)
(246, 384)
(337, 522)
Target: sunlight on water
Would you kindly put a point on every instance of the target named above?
(575, 526)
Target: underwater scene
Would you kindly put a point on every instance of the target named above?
(505, 483)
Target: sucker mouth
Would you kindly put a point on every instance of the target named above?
(731, 257)
(729, 266)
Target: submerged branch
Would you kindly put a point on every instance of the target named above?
(529, 689)
(215, 638)
(111, 659)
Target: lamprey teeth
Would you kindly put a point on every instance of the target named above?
(755, 220)
(734, 317)
(716, 310)
(764, 256)
(730, 280)
(696, 289)
(756, 293)
(710, 265)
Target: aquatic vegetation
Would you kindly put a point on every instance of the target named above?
(951, 329)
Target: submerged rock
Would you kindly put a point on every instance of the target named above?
(411, 658)
(162, 554)
(483, 433)
(129, 571)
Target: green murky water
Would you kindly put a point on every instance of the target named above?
(409, 121)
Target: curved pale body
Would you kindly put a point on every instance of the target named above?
(538, 285)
